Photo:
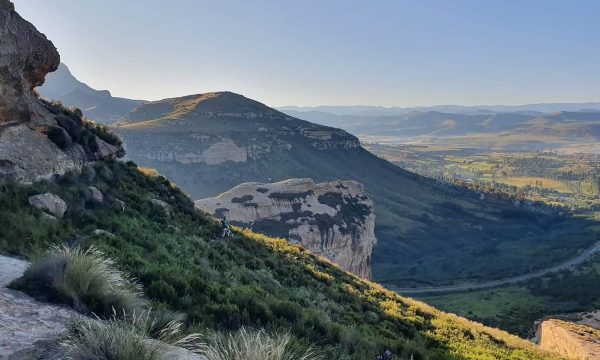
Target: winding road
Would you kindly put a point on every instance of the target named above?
(579, 259)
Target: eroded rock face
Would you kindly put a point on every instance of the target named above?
(570, 340)
(333, 219)
(37, 139)
(26, 56)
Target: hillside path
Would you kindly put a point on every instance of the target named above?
(579, 259)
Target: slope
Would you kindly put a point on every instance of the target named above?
(429, 233)
(250, 280)
(98, 105)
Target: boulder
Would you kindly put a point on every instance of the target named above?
(166, 207)
(100, 232)
(50, 203)
(48, 218)
(96, 195)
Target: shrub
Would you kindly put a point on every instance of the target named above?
(84, 279)
(254, 345)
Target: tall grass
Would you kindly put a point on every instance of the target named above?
(253, 345)
(125, 337)
(85, 279)
(90, 339)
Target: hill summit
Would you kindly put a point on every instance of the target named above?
(212, 104)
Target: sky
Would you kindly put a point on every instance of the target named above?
(331, 52)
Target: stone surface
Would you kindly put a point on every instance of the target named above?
(170, 352)
(333, 219)
(24, 321)
(573, 341)
(96, 194)
(50, 203)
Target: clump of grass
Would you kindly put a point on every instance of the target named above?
(87, 280)
(125, 337)
(90, 339)
(253, 345)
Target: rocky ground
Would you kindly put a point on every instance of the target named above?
(31, 330)
(24, 321)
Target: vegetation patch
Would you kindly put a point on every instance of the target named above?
(291, 196)
(243, 199)
(250, 280)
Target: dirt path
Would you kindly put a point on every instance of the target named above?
(579, 259)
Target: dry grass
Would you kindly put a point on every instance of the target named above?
(85, 279)
(253, 345)
(140, 336)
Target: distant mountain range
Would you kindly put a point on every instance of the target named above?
(360, 110)
(575, 125)
(99, 105)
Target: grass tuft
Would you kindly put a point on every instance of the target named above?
(253, 345)
(141, 336)
(85, 279)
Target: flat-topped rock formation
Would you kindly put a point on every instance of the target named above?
(334, 219)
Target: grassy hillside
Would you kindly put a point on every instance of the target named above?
(428, 232)
(251, 280)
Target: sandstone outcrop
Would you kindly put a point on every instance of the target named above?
(63, 141)
(573, 341)
(333, 219)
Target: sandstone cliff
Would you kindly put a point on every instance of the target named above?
(334, 219)
(570, 340)
(63, 141)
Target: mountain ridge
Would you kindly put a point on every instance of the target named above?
(98, 105)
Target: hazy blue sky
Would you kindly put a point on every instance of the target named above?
(338, 52)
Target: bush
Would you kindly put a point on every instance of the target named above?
(254, 345)
(85, 279)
